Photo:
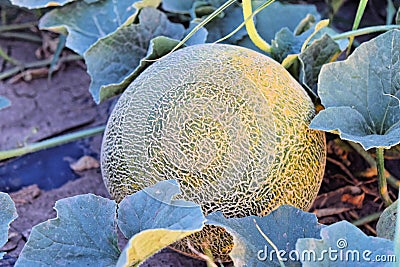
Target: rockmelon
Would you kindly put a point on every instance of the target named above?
(228, 123)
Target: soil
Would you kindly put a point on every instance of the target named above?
(43, 108)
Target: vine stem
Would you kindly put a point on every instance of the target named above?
(21, 26)
(367, 219)
(51, 142)
(36, 64)
(372, 163)
(360, 13)
(365, 30)
(251, 27)
(382, 185)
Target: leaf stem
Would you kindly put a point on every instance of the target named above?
(6, 57)
(382, 185)
(366, 30)
(203, 23)
(367, 219)
(51, 142)
(21, 26)
(22, 36)
(359, 14)
(395, 183)
(36, 64)
(241, 25)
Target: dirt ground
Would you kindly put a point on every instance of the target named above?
(43, 108)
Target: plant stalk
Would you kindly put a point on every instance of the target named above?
(366, 30)
(51, 142)
(367, 219)
(251, 27)
(395, 183)
(21, 26)
(382, 185)
(36, 64)
(21, 36)
(360, 12)
(6, 57)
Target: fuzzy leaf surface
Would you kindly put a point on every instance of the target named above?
(343, 238)
(86, 23)
(361, 94)
(312, 59)
(153, 219)
(113, 61)
(8, 213)
(83, 234)
(283, 227)
(286, 43)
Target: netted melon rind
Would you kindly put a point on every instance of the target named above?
(229, 124)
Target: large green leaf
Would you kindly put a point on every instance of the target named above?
(312, 59)
(86, 23)
(277, 16)
(83, 234)
(153, 219)
(44, 3)
(361, 94)
(113, 61)
(343, 244)
(4, 102)
(283, 227)
(8, 213)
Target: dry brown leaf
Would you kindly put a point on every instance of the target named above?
(25, 195)
(85, 163)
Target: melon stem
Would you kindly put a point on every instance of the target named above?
(51, 142)
(382, 185)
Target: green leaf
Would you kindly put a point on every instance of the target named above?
(277, 16)
(86, 23)
(153, 219)
(114, 61)
(222, 26)
(83, 234)
(313, 58)
(343, 244)
(31, 4)
(286, 43)
(8, 213)
(386, 225)
(199, 37)
(361, 94)
(178, 6)
(4, 102)
(283, 227)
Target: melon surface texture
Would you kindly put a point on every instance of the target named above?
(229, 124)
